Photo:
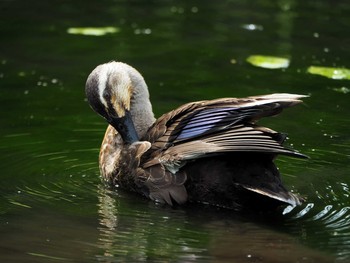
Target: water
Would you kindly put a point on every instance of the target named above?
(53, 206)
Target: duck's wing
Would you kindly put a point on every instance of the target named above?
(198, 129)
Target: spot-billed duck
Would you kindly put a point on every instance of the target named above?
(206, 151)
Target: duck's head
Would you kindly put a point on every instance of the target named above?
(109, 90)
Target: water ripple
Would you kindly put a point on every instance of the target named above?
(325, 222)
(304, 211)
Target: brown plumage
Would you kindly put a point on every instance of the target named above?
(207, 151)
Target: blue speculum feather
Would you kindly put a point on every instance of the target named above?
(202, 122)
(213, 118)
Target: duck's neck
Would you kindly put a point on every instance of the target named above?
(141, 112)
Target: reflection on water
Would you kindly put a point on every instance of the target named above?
(129, 232)
(134, 233)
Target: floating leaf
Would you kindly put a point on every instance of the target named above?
(93, 31)
(268, 61)
(343, 90)
(328, 72)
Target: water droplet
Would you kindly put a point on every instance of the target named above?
(194, 9)
(173, 9)
(178, 10)
(147, 31)
(253, 27)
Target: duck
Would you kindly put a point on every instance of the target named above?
(210, 151)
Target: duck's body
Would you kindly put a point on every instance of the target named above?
(207, 151)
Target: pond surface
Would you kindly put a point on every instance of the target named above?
(53, 206)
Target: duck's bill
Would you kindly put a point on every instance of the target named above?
(125, 127)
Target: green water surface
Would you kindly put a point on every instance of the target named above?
(53, 206)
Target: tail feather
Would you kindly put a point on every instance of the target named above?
(285, 196)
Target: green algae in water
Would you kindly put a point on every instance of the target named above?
(268, 61)
(93, 31)
(329, 72)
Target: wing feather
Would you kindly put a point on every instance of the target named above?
(199, 129)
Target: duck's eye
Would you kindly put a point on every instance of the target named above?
(107, 95)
